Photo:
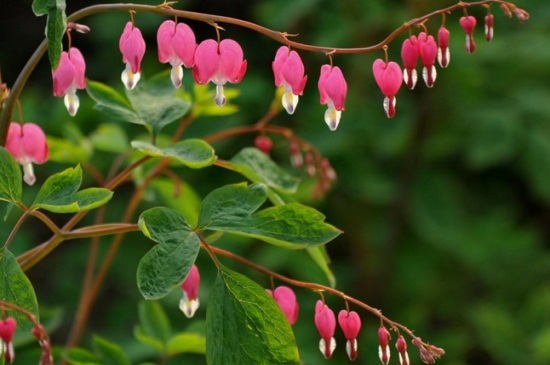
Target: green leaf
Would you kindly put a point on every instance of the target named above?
(110, 352)
(109, 138)
(145, 339)
(204, 101)
(179, 196)
(193, 153)
(154, 321)
(167, 264)
(187, 343)
(16, 288)
(11, 187)
(55, 29)
(60, 194)
(244, 325)
(321, 258)
(64, 151)
(231, 209)
(258, 167)
(80, 356)
(110, 102)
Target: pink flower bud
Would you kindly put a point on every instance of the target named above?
(176, 45)
(489, 27)
(427, 48)
(350, 322)
(468, 23)
(288, 70)
(69, 77)
(409, 55)
(325, 322)
(521, 14)
(443, 52)
(132, 47)
(219, 63)
(332, 89)
(296, 157)
(383, 348)
(28, 145)
(401, 346)
(7, 329)
(189, 303)
(80, 28)
(285, 297)
(389, 78)
(264, 144)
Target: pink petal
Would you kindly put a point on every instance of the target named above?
(280, 58)
(350, 322)
(293, 73)
(79, 66)
(286, 299)
(165, 33)
(231, 61)
(63, 76)
(184, 44)
(191, 283)
(132, 47)
(336, 88)
(409, 52)
(206, 61)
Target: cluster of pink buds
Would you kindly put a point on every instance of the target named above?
(27, 144)
(425, 47)
(189, 302)
(7, 329)
(286, 299)
(69, 77)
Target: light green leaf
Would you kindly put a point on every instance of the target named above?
(110, 102)
(193, 153)
(187, 343)
(109, 138)
(11, 187)
(145, 339)
(16, 288)
(80, 356)
(231, 209)
(321, 258)
(204, 101)
(154, 321)
(110, 352)
(245, 326)
(258, 167)
(60, 194)
(179, 196)
(167, 264)
(64, 151)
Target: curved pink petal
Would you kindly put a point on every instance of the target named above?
(409, 52)
(231, 61)
(165, 33)
(27, 144)
(206, 61)
(325, 72)
(350, 322)
(132, 47)
(293, 73)
(389, 77)
(191, 283)
(184, 44)
(428, 50)
(336, 88)
(286, 299)
(277, 65)
(79, 67)
(63, 76)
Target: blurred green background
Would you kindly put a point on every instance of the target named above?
(445, 208)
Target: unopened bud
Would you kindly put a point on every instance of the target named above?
(521, 14)
(80, 28)
(489, 25)
(401, 346)
(264, 144)
(383, 348)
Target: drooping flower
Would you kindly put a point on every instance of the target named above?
(409, 55)
(69, 77)
(176, 45)
(468, 23)
(401, 346)
(443, 52)
(285, 297)
(333, 89)
(132, 47)
(189, 303)
(288, 69)
(350, 322)
(427, 48)
(220, 63)
(7, 329)
(389, 78)
(489, 27)
(28, 145)
(384, 348)
(325, 322)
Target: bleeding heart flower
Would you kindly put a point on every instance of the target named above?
(189, 303)
(7, 329)
(389, 78)
(68, 77)
(489, 27)
(132, 47)
(285, 297)
(333, 89)
(468, 23)
(409, 55)
(288, 69)
(401, 346)
(350, 322)
(326, 325)
(443, 52)
(176, 45)
(220, 63)
(28, 145)
(383, 348)
(427, 48)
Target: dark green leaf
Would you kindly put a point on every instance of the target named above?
(79, 356)
(187, 343)
(245, 326)
(60, 193)
(55, 29)
(167, 264)
(154, 321)
(110, 102)
(230, 209)
(258, 167)
(179, 196)
(16, 288)
(11, 186)
(110, 352)
(194, 153)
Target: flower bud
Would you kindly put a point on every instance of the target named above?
(489, 25)
(401, 346)
(383, 348)
(285, 297)
(468, 23)
(443, 52)
(325, 322)
(189, 303)
(350, 322)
